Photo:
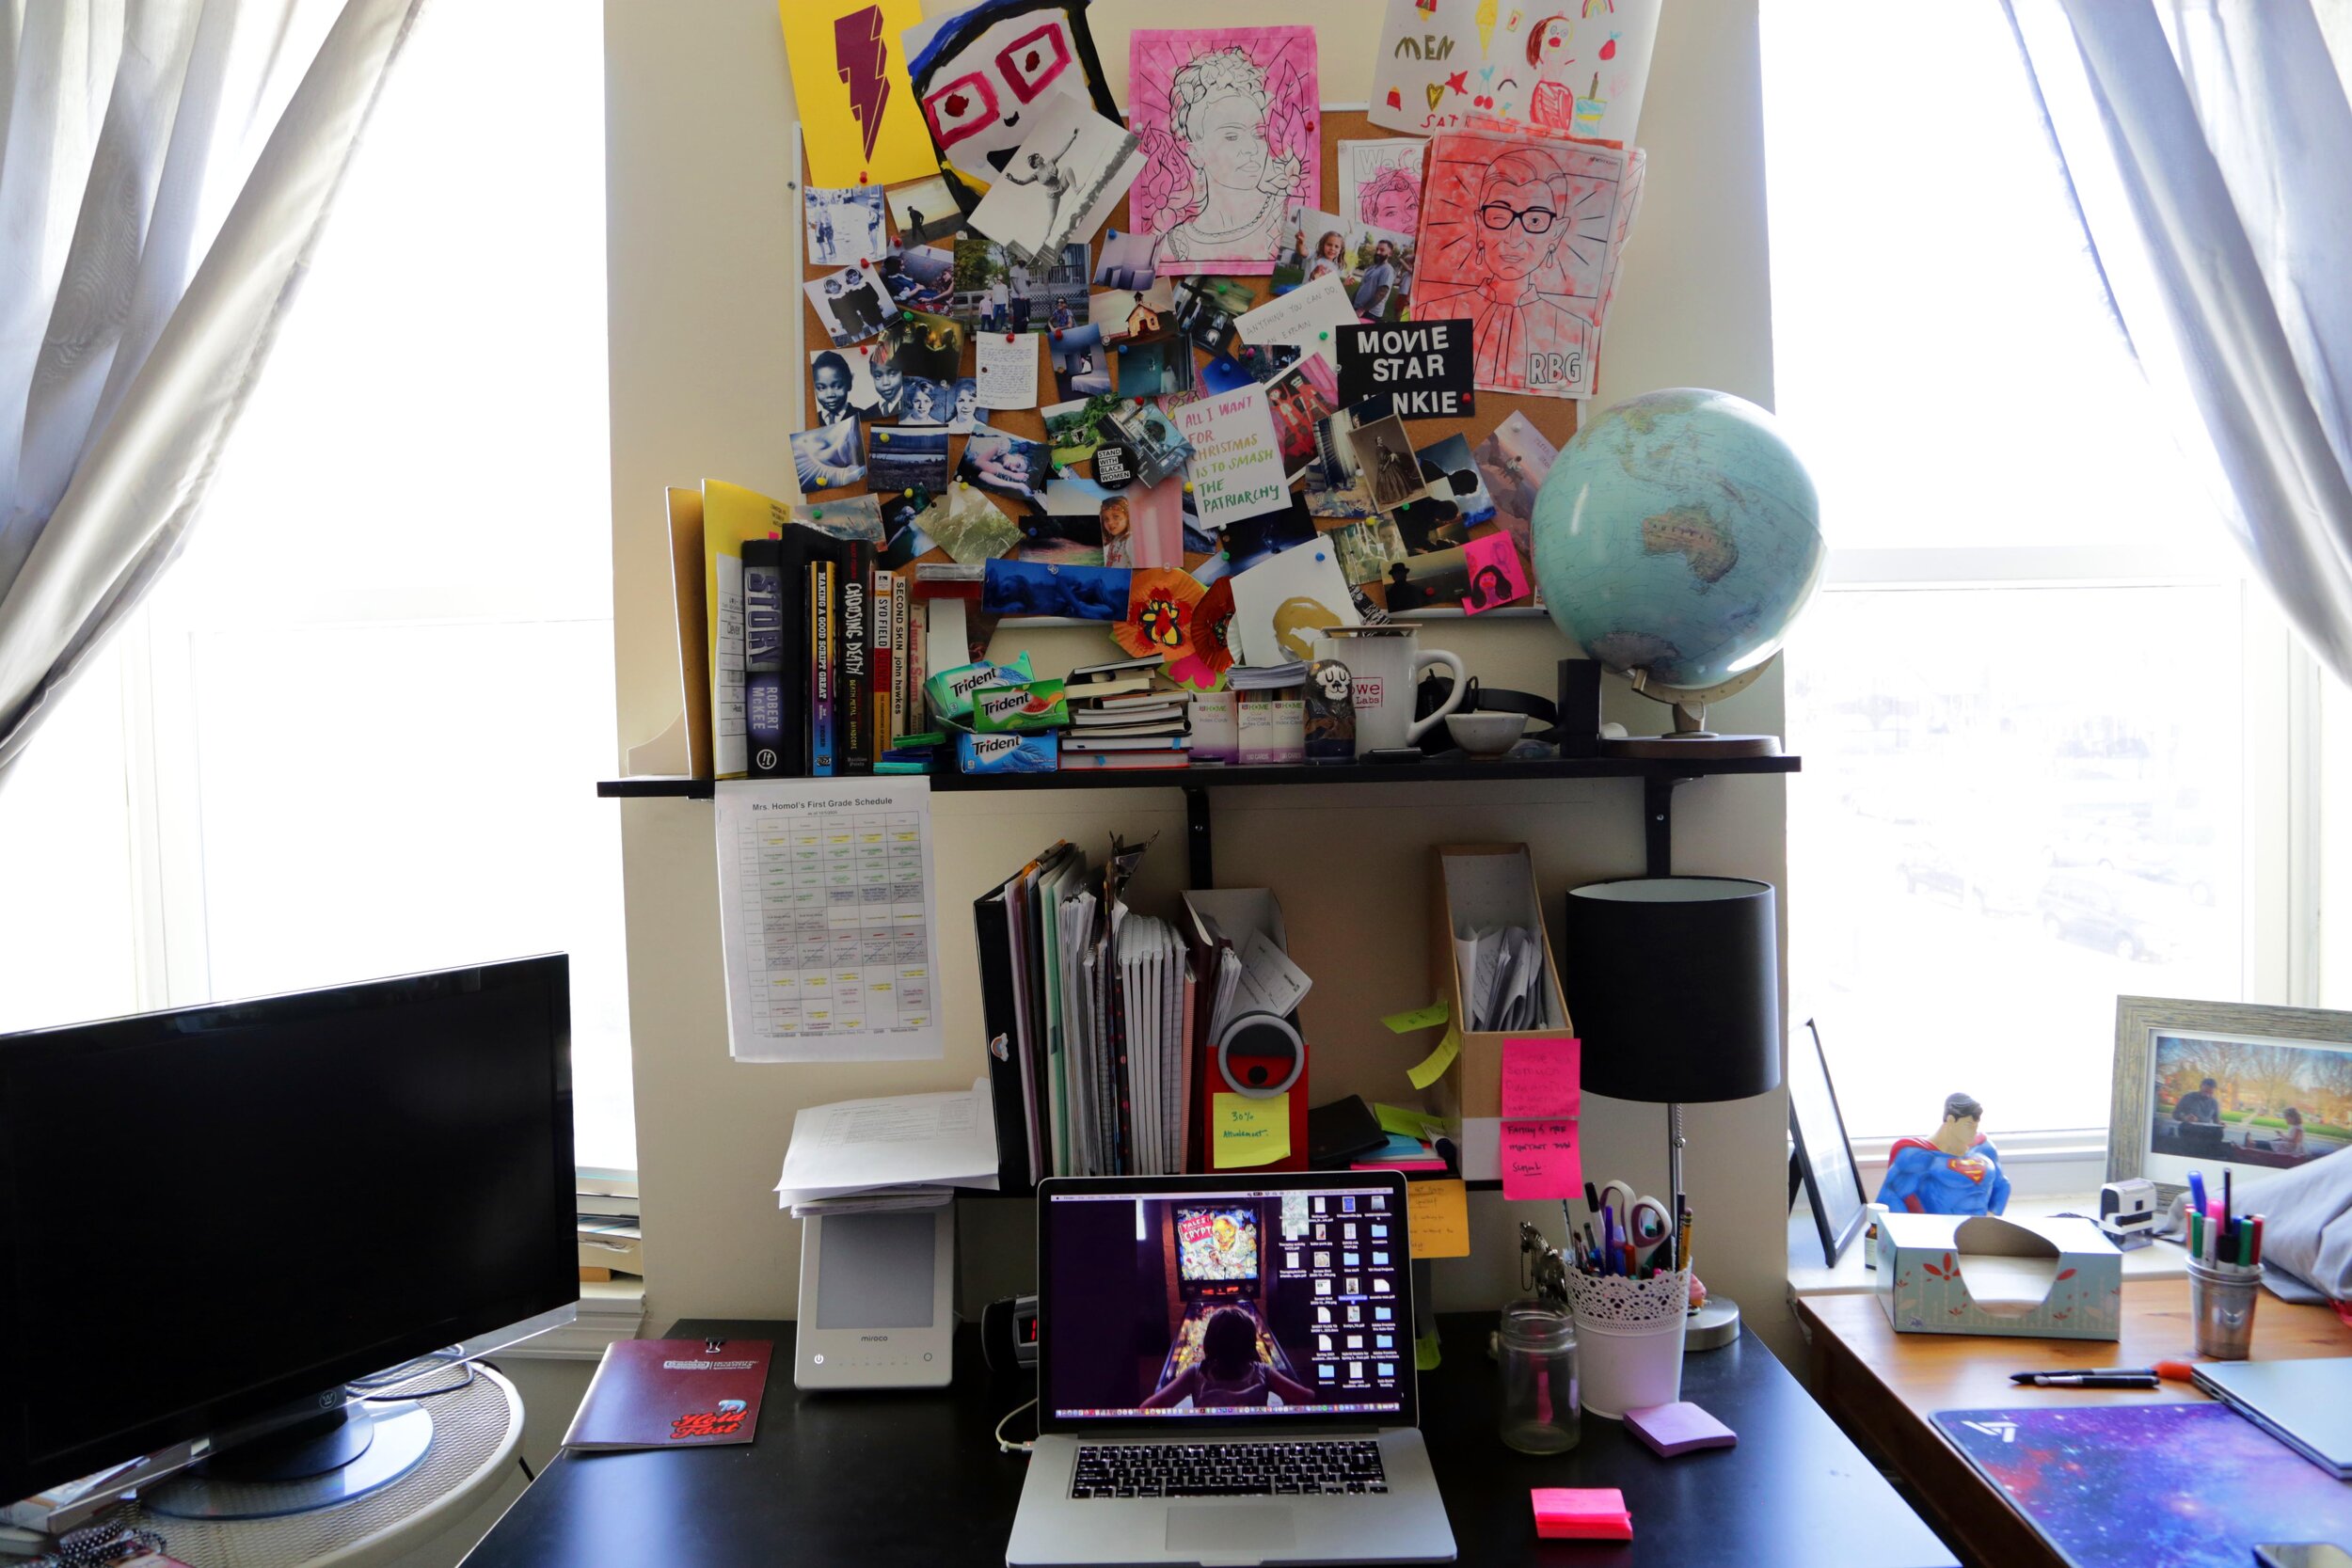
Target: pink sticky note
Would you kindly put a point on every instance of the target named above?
(1539, 1159)
(1497, 574)
(1581, 1514)
(1540, 1078)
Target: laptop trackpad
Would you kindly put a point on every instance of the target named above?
(1229, 1529)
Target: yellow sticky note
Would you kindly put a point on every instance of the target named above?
(1250, 1131)
(1420, 1017)
(1438, 1213)
(1407, 1123)
(858, 112)
(1433, 1066)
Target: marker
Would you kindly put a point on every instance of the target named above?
(2196, 1193)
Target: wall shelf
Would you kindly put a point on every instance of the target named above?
(1659, 777)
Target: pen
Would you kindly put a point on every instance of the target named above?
(2087, 1380)
(1592, 1198)
(1608, 1239)
(2087, 1371)
(2256, 1227)
(2196, 1193)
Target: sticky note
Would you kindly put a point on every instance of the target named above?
(1497, 574)
(1432, 1066)
(1581, 1514)
(1250, 1131)
(1540, 1078)
(1407, 1123)
(1437, 1215)
(850, 80)
(1539, 1159)
(1419, 1018)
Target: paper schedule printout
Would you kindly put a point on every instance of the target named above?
(828, 919)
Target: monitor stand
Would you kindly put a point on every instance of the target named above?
(312, 1453)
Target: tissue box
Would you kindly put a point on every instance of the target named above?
(2032, 1279)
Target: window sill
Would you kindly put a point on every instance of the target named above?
(610, 1311)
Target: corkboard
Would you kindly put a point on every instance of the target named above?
(1554, 416)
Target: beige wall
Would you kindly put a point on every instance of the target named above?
(698, 121)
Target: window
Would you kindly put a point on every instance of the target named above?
(355, 729)
(2050, 727)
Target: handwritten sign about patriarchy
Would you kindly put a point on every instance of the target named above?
(1236, 468)
(1427, 367)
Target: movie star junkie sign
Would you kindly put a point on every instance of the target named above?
(1427, 367)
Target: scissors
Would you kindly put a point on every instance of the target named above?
(1644, 1222)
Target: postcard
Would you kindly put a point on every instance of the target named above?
(1309, 318)
(1367, 548)
(1336, 488)
(920, 278)
(845, 225)
(850, 80)
(851, 305)
(1009, 465)
(902, 459)
(1007, 369)
(1082, 366)
(1155, 367)
(1063, 539)
(1075, 428)
(1454, 502)
(1249, 541)
(1282, 604)
(1044, 588)
(1384, 454)
(1142, 312)
(1159, 449)
(1373, 266)
(925, 211)
(921, 345)
(903, 519)
(857, 517)
(1228, 120)
(830, 457)
(1061, 182)
(1127, 260)
(1568, 70)
(1300, 399)
(1209, 309)
(1513, 460)
(1381, 183)
(1153, 518)
(1497, 574)
(968, 526)
(1236, 468)
(843, 385)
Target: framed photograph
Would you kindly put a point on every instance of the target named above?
(1823, 1157)
(2205, 1085)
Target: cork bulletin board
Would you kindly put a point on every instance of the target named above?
(1555, 418)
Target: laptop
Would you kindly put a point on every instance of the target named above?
(2306, 1404)
(1225, 1374)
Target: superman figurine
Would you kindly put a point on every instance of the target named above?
(1953, 1172)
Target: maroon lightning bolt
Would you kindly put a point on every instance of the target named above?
(859, 56)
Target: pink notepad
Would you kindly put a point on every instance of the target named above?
(1679, 1427)
(1581, 1513)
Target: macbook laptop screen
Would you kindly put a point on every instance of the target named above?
(1257, 1301)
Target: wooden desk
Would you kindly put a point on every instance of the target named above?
(1882, 1387)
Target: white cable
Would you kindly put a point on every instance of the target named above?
(1003, 1447)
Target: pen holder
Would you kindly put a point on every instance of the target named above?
(2221, 1307)
(1629, 1335)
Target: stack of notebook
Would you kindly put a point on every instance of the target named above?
(1121, 716)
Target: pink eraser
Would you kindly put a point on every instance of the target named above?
(1679, 1427)
(1581, 1514)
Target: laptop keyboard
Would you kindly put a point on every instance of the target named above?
(1226, 1469)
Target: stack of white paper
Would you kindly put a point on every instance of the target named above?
(1502, 974)
(905, 1140)
(1152, 981)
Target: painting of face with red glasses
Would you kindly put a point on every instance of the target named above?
(983, 76)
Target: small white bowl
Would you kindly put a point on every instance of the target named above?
(1486, 735)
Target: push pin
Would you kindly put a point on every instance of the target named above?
(1008, 336)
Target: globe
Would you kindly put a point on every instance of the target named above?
(1678, 535)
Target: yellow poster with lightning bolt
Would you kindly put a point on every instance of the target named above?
(859, 118)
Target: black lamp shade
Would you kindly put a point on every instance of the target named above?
(1674, 987)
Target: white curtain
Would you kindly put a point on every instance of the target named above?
(2210, 146)
(165, 166)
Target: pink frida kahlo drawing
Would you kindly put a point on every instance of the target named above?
(1519, 236)
(1228, 118)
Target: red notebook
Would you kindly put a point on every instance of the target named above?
(672, 1393)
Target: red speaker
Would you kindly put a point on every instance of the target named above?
(1260, 1055)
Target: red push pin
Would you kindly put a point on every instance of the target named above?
(1008, 336)
(1057, 334)
(861, 173)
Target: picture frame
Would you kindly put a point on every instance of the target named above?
(2265, 1062)
(1825, 1156)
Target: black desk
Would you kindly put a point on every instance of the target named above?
(876, 1479)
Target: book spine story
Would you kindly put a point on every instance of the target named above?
(854, 692)
(821, 670)
(903, 676)
(763, 658)
(885, 641)
(918, 654)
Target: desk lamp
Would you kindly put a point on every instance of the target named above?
(1673, 983)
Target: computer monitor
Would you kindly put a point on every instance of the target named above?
(212, 1216)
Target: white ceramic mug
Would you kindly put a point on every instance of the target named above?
(1385, 665)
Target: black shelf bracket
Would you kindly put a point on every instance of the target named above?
(1200, 848)
(1657, 824)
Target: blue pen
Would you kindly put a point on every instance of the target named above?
(2196, 1191)
(1608, 1238)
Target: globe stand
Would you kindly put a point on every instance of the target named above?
(1691, 737)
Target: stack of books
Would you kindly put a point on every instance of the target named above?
(832, 658)
(609, 1240)
(1123, 714)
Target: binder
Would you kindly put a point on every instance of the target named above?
(1012, 1090)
